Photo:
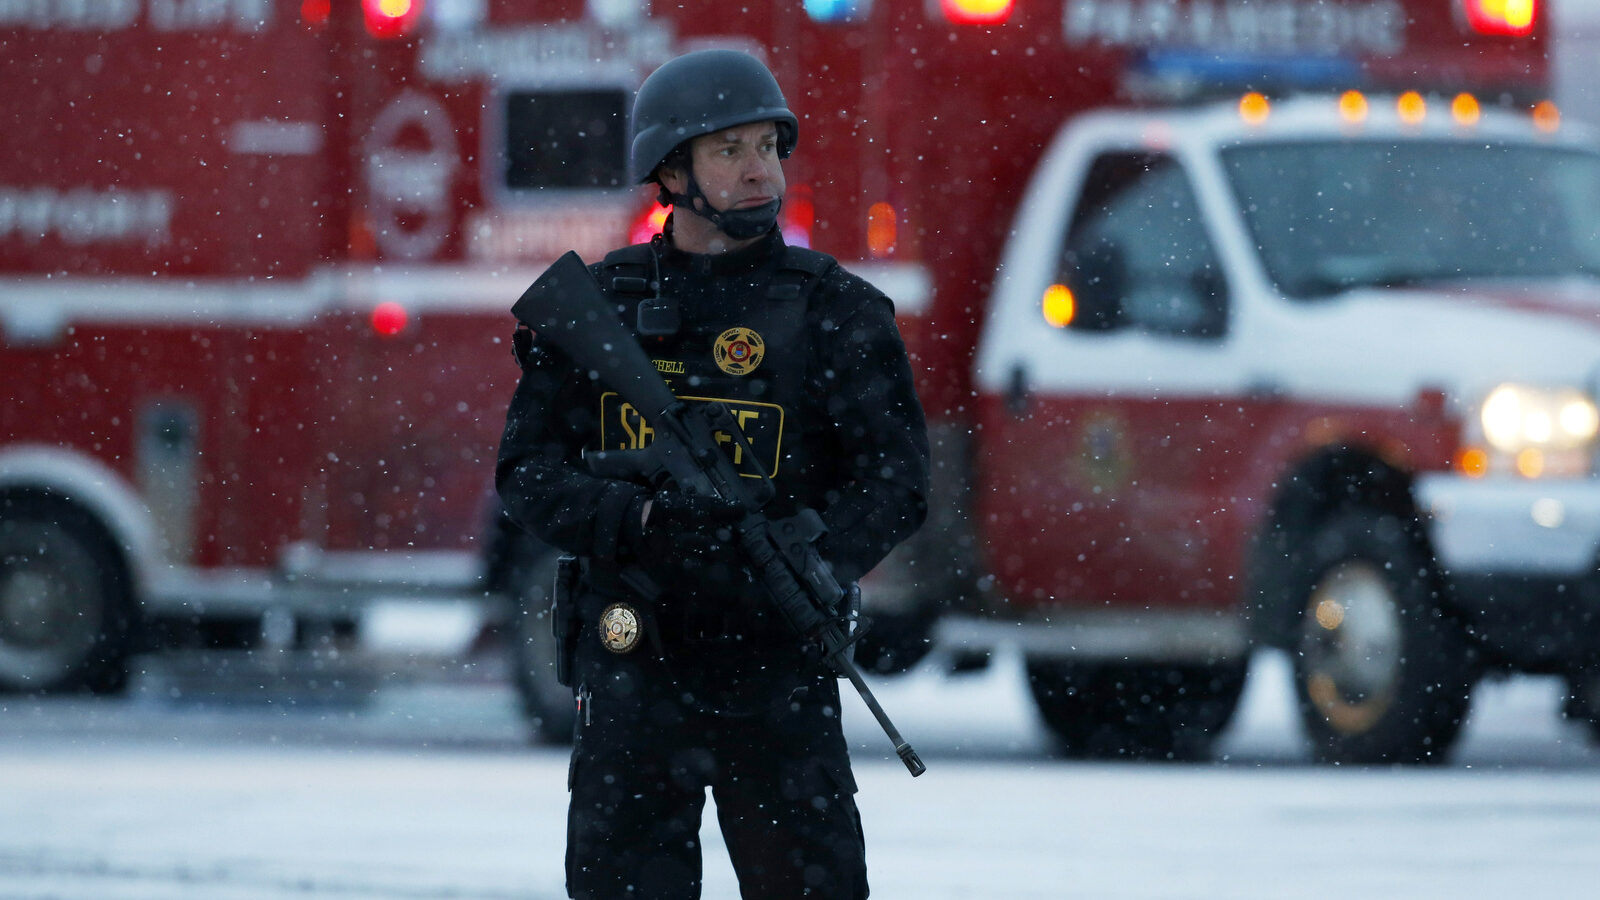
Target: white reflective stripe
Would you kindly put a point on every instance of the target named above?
(436, 287)
(38, 308)
(392, 571)
(908, 284)
(275, 138)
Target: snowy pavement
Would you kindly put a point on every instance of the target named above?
(427, 792)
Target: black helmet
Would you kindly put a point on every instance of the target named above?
(701, 93)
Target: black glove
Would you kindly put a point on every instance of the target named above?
(673, 510)
(674, 533)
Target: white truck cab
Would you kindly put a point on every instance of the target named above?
(1317, 373)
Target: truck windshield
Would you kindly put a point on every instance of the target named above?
(1334, 215)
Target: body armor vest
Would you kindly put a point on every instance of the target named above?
(740, 340)
(747, 347)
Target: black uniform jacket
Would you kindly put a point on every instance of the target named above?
(863, 432)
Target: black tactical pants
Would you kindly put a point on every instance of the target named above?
(643, 757)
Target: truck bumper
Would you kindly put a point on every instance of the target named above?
(1523, 560)
(1549, 529)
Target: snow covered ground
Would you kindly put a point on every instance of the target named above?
(427, 792)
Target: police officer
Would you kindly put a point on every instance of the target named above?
(685, 678)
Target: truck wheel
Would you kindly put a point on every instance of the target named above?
(1107, 711)
(546, 702)
(1583, 701)
(1383, 674)
(66, 613)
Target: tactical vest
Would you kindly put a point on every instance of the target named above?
(749, 353)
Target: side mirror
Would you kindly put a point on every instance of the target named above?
(1099, 275)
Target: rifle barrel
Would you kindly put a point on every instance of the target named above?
(846, 667)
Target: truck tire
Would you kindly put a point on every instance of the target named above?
(1582, 703)
(546, 703)
(1383, 673)
(66, 610)
(1119, 710)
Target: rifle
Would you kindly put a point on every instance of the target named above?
(566, 306)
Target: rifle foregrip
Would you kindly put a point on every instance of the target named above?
(787, 592)
(639, 466)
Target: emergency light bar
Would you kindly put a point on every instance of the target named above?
(1411, 108)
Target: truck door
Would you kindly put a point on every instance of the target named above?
(1123, 436)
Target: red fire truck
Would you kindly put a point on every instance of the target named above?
(257, 257)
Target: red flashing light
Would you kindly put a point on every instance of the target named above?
(799, 219)
(649, 225)
(1511, 18)
(799, 216)
(390, 18)
(389, 318)
(993, 12)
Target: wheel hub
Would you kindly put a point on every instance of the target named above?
(50, 611)
(1351, 646)
(31, 608)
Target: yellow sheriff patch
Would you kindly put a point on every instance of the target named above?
(738, 351)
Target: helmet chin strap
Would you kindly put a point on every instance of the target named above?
(739, 224)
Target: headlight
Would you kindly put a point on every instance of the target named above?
(1517, 416)
(1537, 431)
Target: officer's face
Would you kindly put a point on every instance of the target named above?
(736, 168)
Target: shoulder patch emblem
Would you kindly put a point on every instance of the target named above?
(738, 351)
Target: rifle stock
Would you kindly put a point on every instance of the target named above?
(566, 306)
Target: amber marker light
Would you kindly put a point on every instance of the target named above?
(1473, 462)
(1465, 109)
(1254, 108)
(1530, 463)
(1059, 306)
(882, 228)
(1330, 613)
(1353, 107)
(1546, 116)
(1412, 108)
